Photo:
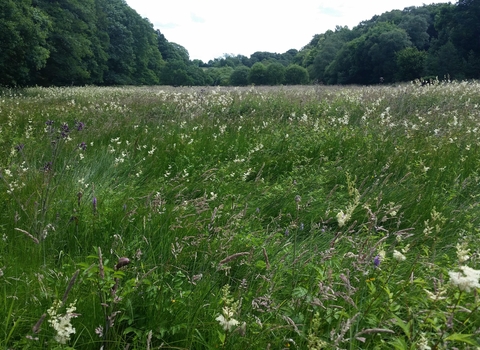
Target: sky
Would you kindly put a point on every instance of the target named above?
(210, 29)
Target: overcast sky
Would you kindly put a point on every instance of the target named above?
(211, 28)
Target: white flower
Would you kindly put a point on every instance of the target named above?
(342, 218)
(61, 323)
(467, 280)
(462, 252)
(399, 256)
(227, 324)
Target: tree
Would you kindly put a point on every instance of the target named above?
(410, 64)
(239, 76)
(447, 62)
(258, 74)
(220, 76)
(23, 33)
(70, 42)
(296, 75)
(275, 74)
(416, 28)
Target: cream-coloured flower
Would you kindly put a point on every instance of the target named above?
(467, 280)
(399, 256)
(62, 323)
(342, 218)
(227, 323)
(463, 253)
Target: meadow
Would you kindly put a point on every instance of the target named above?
(240, 218)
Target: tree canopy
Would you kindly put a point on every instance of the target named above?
(105, 42)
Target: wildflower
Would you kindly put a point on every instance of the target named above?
(79, 126)
(229, 309)
(376, 261)
(82, 146)
(19, 147)
(467, 280)
(226, 320)
(62, 323)
(342, 218)
(399, 256)
(462, 252)
(94, 203)
(65, 130)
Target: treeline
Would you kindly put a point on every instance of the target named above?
(439, 40)
(78, 42)
(105, 42)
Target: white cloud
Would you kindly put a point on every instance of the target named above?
(211, 28)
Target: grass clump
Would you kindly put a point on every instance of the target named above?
(301, 218)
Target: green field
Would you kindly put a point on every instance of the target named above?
(252, 218)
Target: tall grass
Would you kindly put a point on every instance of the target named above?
(257, 218)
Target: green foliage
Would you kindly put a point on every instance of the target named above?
(258, 74)
(296, 75)
(410, 64)
(307, 217)
(23, 32)
(239, 76)
(275, 73)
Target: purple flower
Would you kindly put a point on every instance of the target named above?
(287, 232)
(65, 130)
(49, 122)
(19, 147)
(94, 202)
(82, 146)
(79, 126)
(376, 261)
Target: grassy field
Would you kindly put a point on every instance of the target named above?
(257, 218)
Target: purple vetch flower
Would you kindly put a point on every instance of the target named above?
(79, 126)
(94, 202)
(287, 232)
(49, 122)
(65, 130)
(82, 146)
(376, 261)
(19, 147)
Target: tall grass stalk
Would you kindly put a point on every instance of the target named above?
(200, 218)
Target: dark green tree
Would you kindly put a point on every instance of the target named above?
(296, 75)
(70, 42)
(472, 68)
(445, 62)
(258, 74)
(275, 74)
(23, 33)
(416, 28)
(220, 76)
(410, 64)
(239, 76)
